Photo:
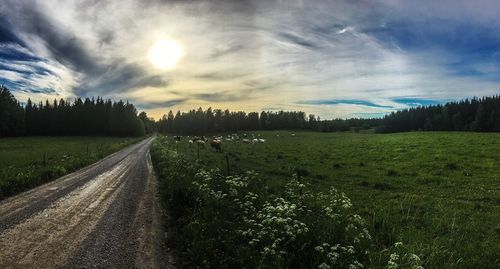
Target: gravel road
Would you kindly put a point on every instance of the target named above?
(106, 215)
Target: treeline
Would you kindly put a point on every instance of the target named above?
(82, 117)
(104, 117)
(344, 125)
(477, 114)
(217, 120)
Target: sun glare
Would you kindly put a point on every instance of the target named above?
(165, 54)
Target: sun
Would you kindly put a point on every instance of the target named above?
(165, 54)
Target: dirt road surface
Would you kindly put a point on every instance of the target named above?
(106, 215)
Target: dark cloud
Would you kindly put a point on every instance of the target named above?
(162, 104)
(65, 47)
(120, 77)
(23, 67)
(6, 34)
(297, 40)
(44, 90)
(154, 81)
(219, 76)
(105, 37)
(220, 96)
(12, 54)
(217, 97)
(225, 51)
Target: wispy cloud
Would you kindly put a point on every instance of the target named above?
(341, 101)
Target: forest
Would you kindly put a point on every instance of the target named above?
(476, 114)
(87, 117)
(217, 120)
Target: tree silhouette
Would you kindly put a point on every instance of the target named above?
(81, 117)
(11, 114)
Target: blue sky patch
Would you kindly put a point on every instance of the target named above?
(417, 101)
(343, 102)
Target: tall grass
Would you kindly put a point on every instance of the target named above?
(234, 221)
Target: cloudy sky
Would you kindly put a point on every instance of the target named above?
(345, 58)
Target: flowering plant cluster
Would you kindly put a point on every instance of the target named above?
(402, 258)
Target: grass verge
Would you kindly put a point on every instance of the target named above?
(27, 162)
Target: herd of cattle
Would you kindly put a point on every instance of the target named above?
(216, 141)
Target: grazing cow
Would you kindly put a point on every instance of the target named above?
(216, 144)
(246, 141)
(190, 142)
(177, 138)
(262, 140)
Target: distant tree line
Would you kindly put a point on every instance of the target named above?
(217, 120)
(82, 117)
(477, 114)
(343, 125)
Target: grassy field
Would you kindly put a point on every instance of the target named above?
(23, 165)
(438, 192)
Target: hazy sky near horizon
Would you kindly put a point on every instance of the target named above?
(338, 58)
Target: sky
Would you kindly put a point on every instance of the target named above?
(334, 59)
